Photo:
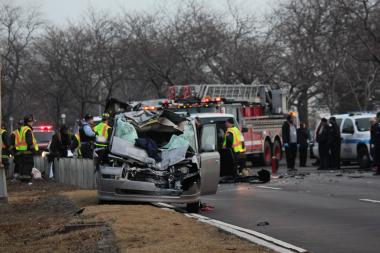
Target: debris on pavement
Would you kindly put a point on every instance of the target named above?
(262, 223)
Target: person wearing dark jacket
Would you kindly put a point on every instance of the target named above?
(289, 137)
(322, 137)
(334, 144)
(62, 142)
(303, 142)
(87, 137)
(375, 140)
(5, 149)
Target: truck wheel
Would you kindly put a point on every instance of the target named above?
(267, 155)
(193, 207)
(277, 152)
(363, 158)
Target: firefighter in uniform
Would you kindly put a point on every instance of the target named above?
(5, 149)
(103, 131)
(12, 149)
(25, 146)
(233, 141)
(87, 137)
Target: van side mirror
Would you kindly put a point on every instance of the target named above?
(208, 148)
(244, 129)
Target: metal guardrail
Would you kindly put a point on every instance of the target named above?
(71, 171)
(74, 171)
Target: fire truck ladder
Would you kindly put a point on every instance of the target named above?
(238, 92)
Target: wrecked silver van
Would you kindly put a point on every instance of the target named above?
(158, 157)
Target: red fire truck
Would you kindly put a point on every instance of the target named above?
(259, 110)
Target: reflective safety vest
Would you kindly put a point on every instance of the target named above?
(77, 136)
(102, 130)
(237, 144)
(20, 139)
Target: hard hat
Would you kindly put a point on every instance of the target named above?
(292, 114)
(105, 116)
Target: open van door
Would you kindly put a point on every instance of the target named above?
(209, 160)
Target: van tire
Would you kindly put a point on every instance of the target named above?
(364, 159)
(193, 207)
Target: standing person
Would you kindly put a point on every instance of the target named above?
(62, 142)
(373, 122)
(13, 150)
(322, 137)
(375, 139)
(233, 142)
(303, 143)
(104, 131)
(5, 149)
(87, 136)
(334, 144)
(26, 146)
(289, 137)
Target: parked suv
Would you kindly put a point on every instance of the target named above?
(355, 134)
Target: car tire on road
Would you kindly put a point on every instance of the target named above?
(364, 159)
(193, 207)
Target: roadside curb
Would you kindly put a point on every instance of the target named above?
(247, 234)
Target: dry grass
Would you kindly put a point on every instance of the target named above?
(147, 229)
(34, 218)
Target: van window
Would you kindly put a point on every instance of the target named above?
(208, 135)
(363, 124)
(348, 127)
(339, 122)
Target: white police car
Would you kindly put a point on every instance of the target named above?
(355, 133)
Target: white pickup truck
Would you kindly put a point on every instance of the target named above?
(355, 133)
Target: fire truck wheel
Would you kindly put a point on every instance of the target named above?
(267, 155)
(277, 152)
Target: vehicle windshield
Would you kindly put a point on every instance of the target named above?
(363, 124)
(42, 137)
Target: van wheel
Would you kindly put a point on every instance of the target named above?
(193, 207)
(363, 158)
(266, 157)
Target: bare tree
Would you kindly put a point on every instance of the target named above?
(17, 28)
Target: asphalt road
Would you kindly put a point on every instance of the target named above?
(320, 212)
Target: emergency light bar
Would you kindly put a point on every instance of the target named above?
(44, 128)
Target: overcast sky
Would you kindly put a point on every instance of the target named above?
(59, 11)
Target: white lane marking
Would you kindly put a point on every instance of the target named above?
(250, 235)
(268, 187)
(371, 200)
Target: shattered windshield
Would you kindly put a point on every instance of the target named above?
(189, 134)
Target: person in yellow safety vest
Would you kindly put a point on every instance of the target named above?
(5, 149)
(233, 140)
(103, 131)
(12, 149)
(77, 138)
(25, 146)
